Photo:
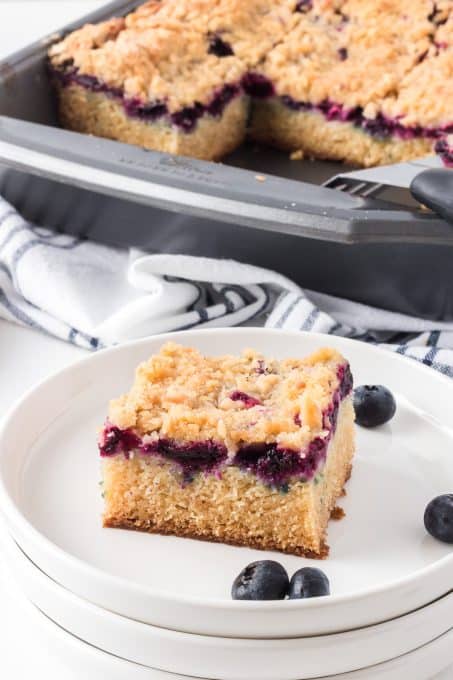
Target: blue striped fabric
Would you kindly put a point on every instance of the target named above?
(433, 348)
(59, 285)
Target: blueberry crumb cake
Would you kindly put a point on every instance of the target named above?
(244, 449)
(365, 81)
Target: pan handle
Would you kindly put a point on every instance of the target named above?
(434, 188)
(212, 191)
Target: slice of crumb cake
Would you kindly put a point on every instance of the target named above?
(238, 449)
(153, 80)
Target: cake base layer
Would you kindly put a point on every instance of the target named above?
(310, 132)
(145, 494)
(99, 114)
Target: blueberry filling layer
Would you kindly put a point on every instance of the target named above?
(256, 86)
(115, 441)
(186, 119)
(380, 127)
(344, 375)
(190, 458)
(275, 466)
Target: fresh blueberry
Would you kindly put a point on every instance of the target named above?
(308, 582)
(264, 580)
(439, 518)
(374, 405)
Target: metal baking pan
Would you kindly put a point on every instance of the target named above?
(256, 206)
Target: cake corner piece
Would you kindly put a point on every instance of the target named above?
(137, 80)
(245, 450)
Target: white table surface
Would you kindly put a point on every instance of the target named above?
(25, 358)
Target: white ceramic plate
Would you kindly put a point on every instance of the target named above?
(422, 664)
(225, 658)
(72, 658)
(382, 563)
(81, 660)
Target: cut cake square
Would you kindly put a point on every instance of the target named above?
(364, 81)
(243, 449)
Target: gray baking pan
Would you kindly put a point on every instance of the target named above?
(256, 206)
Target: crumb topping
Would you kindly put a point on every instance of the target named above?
(367, 54)
(181, 395)
(425, 93)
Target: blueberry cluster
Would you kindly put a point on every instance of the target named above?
(268, 580)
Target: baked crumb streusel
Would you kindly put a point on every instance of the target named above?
(183, 395)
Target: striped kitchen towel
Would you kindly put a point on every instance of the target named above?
(94, 296)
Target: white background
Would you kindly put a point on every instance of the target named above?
(25, 358)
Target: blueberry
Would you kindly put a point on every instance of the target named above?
(257, 85)
(187, 117)
(374, 405)
(304, 6)
(308, 582)
(219, 47)
(264, 580)
(439, 518)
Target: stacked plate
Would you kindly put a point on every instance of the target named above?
(159, 607)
